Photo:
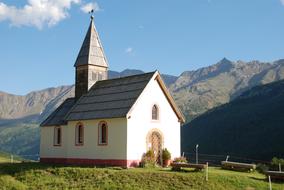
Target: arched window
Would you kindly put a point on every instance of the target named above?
(103, 133)
(57, 136)
(79, 134)
(155, 112)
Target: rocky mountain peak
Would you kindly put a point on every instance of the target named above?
(225, 61)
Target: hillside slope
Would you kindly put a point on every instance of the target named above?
(198, 91)
(6, 158)
(250, 126)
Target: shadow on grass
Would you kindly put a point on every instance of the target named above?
(183, 170)
(266, 180)
(14, 168)
(258, 179)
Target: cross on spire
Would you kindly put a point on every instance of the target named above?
(92, 12)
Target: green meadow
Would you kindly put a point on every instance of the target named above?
(40, 176)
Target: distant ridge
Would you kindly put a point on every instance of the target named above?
(208, 87)
(251, 126)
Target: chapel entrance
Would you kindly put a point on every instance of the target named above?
(155, 143)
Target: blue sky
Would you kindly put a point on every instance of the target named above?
(40, 42)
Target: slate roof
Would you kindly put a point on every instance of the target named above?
(91, 52)
(57, 117)
(109, 98)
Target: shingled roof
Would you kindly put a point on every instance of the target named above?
(109, 98)
(57, 117)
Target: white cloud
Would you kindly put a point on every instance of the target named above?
(129, 50)
(90, 6)
(282, 1)
(37, 13)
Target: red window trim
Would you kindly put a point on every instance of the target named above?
(100, 124)
(54, 140)
(76, 134)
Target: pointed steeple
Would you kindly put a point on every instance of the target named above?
(91, 63)
(91, 52)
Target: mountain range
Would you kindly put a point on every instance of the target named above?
(250, 126)
(195, 93)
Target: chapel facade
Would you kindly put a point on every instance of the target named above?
(110, 122)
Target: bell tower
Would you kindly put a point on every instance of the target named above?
(91, 64)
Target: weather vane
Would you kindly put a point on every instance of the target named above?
(92, 14)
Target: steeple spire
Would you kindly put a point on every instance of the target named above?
(91, 52)
(91, 63)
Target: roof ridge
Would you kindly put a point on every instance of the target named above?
(130, 83)
(127, 76)
(106, 101)
(112, 92)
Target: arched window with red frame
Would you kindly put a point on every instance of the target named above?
(79, 134)
(103, 133)
(57, 136)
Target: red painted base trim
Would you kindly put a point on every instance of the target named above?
(97, 162)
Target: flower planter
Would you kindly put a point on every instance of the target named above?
(166, 163)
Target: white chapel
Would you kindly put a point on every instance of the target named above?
(110, 122)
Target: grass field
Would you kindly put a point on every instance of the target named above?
(38, 176)
(6, 158)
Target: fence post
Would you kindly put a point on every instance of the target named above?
(280, 167)
(207, 168)
(227, 158)
(270, 186)
(11, 159)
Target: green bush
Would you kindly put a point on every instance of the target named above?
(150, 154)
(275, 163)
(181, 159)
(148, 159)
(166, 154)
(262, 168)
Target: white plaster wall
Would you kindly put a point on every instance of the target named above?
(115, 149)
(140, 123)
(47, 148)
